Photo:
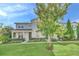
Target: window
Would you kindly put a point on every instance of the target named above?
(20, 26)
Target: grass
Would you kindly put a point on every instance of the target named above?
(39, 49)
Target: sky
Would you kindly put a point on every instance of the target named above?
(72, 13)
(10, 13)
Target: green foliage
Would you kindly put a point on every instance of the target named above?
(4, 38)
(69, 35)
(16, 40)
(61, 30)
(77, 30)
(5, 34)
(7, 30)
(38, 40)
(49, 16)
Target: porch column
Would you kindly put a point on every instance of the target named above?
(23, 35)
(12, 35)
(16, 35)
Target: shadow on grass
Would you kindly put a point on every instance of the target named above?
(51, 53)
(51, 50)
(64, 44)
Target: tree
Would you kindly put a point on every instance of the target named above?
(5, 34)
(49, 16)
(7, 30)
(70, 31)
(77, 31)
(61, 31)
(4, 38)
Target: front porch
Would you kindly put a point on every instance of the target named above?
(21, 34)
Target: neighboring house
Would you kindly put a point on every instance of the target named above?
(26, 31)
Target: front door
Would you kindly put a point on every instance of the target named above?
(30, 35)
(20, 35)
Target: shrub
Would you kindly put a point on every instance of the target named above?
(16, 40)
(4, 38)
(38, 40)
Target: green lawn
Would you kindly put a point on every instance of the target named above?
(39, 49)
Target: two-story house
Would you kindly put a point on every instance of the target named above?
(26, 31)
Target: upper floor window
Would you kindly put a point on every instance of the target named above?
(20, 26)
(24, 26)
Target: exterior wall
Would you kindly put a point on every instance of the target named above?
(36, 34)
(24, 26)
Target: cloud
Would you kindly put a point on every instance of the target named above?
(15, 11)
(15, 8)
(2, 13)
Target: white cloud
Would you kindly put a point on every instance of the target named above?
(10, 10)
(15, 10)
(15, 7)
(2, 13)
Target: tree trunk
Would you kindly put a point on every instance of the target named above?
(50, 46)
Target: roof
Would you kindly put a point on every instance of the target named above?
(21, 29)
(33, 19)
(23, 23)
